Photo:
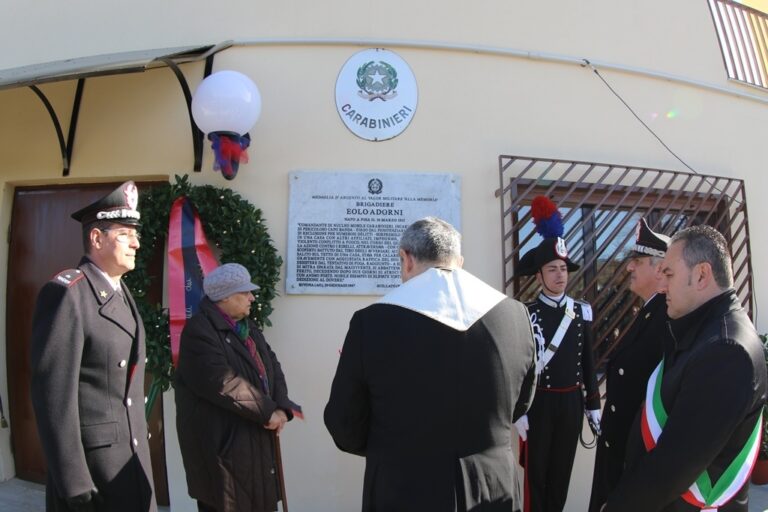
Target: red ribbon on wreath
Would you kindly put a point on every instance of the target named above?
(189, 260)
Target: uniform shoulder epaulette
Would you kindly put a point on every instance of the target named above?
(586, 310)
(68, 277)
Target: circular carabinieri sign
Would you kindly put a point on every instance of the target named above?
(376, 94)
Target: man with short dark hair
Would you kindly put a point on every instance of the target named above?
(696, 439)
(632, 361)
(87, 361)
(566, 381)
(429, 383)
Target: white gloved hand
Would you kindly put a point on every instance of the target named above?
(594, 416)
(522, 427)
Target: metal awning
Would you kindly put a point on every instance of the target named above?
(82, 68)
(101, 65)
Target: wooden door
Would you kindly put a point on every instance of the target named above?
(43, 241)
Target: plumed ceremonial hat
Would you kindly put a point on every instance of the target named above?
(119, 206)
(549, 225)
(227, 280)
(648, 242)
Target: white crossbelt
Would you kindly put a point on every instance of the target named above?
(554, 344)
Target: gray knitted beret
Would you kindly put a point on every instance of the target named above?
(227, 280)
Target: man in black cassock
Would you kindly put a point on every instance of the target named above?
(637, 354)
(429, 383)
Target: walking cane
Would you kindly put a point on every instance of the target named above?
(280, 474)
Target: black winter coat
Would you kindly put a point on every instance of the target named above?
(87, 360)
(713, 389)
(627, 372)
(229, 457)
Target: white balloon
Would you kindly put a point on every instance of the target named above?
(226, 101)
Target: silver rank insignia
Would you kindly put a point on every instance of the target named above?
(103, 294)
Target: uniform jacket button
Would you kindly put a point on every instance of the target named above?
(122, 363)
(149, 436)
(146, 399)
(613, 408)
(135, 442)
(607, 444)
(621, 371)
(129, 402)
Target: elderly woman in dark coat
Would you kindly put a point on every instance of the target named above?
(231, 400)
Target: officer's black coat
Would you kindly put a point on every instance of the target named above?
(713, 389)
(627, 372)
(87, 359)
(555, 418)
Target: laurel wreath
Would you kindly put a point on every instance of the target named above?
(236, 228)
(362, 73)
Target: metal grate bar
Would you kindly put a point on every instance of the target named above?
(743, 35)
(600, 203)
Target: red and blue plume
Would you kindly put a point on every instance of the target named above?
(549, 223)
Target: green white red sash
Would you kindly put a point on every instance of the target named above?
(702, 493)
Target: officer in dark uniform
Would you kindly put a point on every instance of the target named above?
(637, 354)
(87, 358)
(552, 426)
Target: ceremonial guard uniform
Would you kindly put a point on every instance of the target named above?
(87, 359)
(566, 383)
(555, 418)
(637, 354)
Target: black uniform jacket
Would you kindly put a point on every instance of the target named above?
(431, 407)
(713, 389)
(87, 358)
(572, 365)
(221, 410)
(627, 372)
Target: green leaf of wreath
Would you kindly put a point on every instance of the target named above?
(233, 225)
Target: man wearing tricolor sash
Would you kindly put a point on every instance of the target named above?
(429, 382)
(696, 438)
(567, 384)
(631, 363)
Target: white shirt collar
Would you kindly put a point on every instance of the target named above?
(553, 302)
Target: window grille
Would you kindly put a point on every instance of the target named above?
(743, 35)
(601, 204)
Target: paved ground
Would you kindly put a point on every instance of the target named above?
(20, 496)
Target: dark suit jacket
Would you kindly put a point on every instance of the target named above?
(627, 372)
(87, 358)
(713, 389)
(431, 408)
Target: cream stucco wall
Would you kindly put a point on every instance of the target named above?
(473, 106)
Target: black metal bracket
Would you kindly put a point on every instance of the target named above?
(197, 134)
(64, 146)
